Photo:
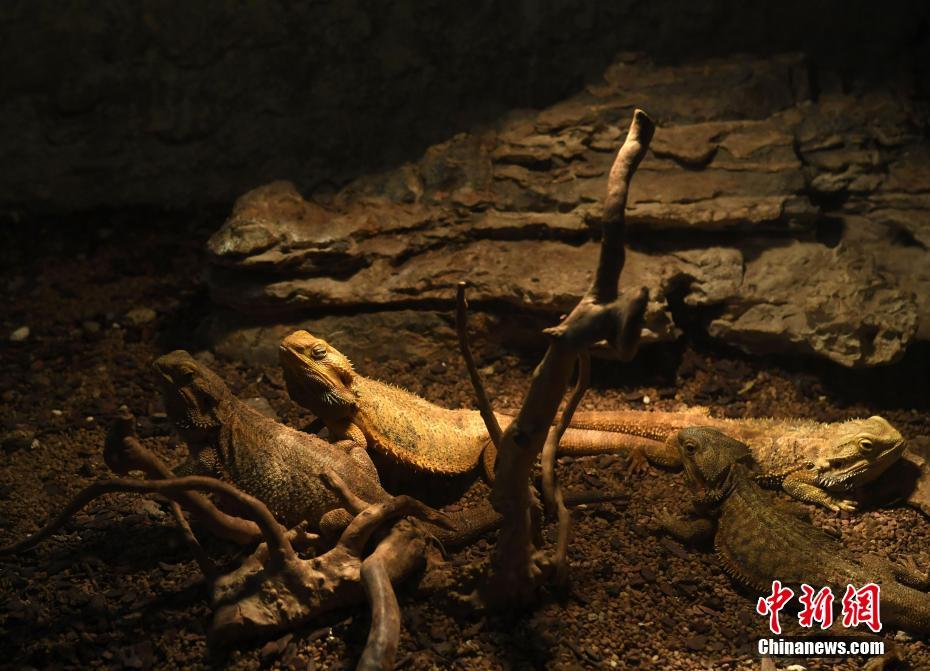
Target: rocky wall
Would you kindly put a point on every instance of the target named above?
(775, 215)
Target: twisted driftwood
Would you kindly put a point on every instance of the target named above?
(518, 564)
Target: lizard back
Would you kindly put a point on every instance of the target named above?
(282, 467)
(757, 542)
(416, 432)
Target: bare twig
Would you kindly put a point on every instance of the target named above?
(207, 567)
(549, 483)
(484, 404)
(354, 504)
(356, 535)
(552, 492)
(612, 256)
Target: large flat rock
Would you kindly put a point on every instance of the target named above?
(839, 306)
(788, 224)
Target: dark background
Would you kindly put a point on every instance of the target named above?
(187, 104)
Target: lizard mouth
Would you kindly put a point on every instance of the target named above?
(846, 479)
(862, 471)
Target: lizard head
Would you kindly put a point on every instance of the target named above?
(864, 450)
(708, 454)
(318, 376)
(193, 393)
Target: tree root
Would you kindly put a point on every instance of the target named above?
(273, 589)
(264, 599)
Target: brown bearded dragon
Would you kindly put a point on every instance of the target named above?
(811, 461)
(757, 540)
(408, 430)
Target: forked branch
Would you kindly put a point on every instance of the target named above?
(602, 314)
(123, 453)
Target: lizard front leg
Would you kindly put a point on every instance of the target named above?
(693, 529)
(350, 438)
(360, 456)
(803, 484)
(334, 522)
(904, 571)
(346, 434)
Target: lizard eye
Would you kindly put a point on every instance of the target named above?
(865, 445)
(690, 447)
(318, 352)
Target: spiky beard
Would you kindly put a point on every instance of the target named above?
(184, 414)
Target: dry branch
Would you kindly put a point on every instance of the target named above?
(384, 633)
(207, 567)
(602, 314)
(552, 493)
(484, 404)
(123, 453)
(550, 489)
(261, 599)
(273, 589)
(279, 546)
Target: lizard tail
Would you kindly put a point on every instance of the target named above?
(590, 442)
(469, 524)
(905, 608)
(653, 424)
(475, 521)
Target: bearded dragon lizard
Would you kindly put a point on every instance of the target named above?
(758, 541)
(809, 460)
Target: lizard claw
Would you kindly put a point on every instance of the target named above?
(661, 520)
(843, 504)
(912, 576)
(637, 464)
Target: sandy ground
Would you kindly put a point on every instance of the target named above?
(118, 590)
